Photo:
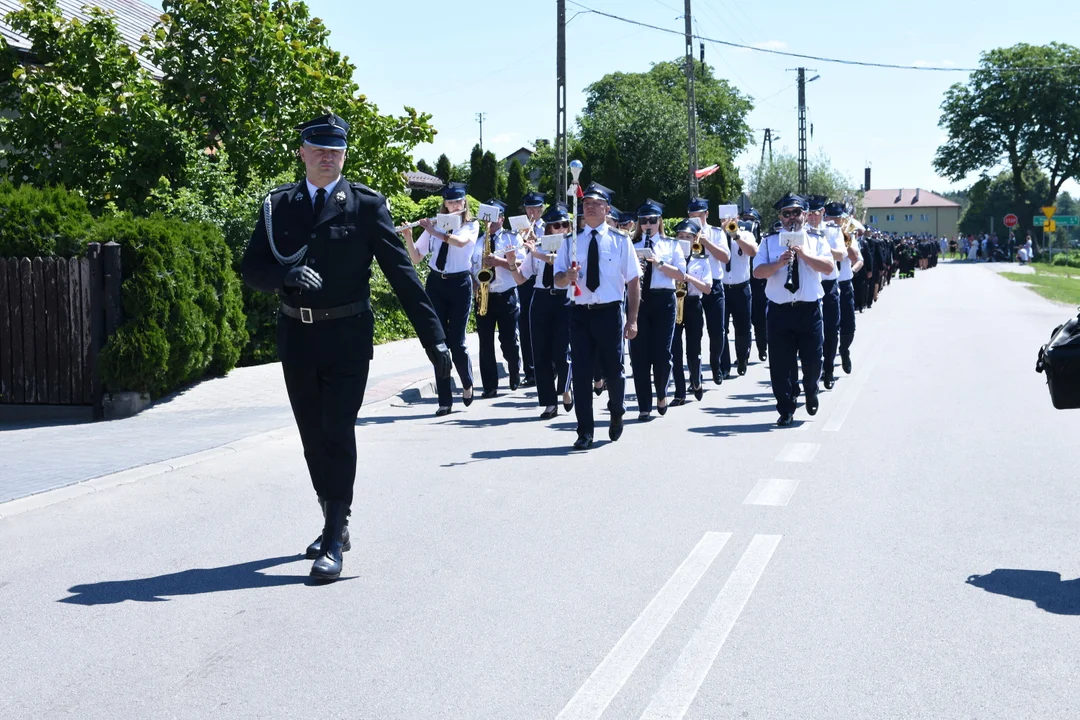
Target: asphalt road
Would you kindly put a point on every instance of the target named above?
(911, 552)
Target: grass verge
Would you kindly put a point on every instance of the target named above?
(1056, 286)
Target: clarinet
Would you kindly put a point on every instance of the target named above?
(789, 285)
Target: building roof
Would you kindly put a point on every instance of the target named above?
(133, 19)
(523, 148)
(422, 181)
(916, 197)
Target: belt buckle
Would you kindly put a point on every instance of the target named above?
(305, 316)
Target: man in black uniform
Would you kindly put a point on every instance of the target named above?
(313, 245)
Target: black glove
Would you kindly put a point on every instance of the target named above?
(440, 358)
(302, 277)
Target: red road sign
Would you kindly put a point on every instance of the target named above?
(1011, 220)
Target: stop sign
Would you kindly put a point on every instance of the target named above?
(1011, 220)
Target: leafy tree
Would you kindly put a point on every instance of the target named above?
(782, 175)
(1005, 115)
(610, 172)
(423, 167)
(484, 184)
(443, 168)
(476, 157)
(516, 186)
(994, 198)
(244, 73)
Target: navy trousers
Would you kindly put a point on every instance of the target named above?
(451, 296)
(650, 350)
(692, 328)
(525, 298)
(713, 306)
(847, 314)
(549, 323)
(830, 316)
(502, 316)
(596, 336)
(758, 305)
(795, 335)
(737, 303)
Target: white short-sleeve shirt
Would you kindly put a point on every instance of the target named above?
(458, 259)
(809, 279)
(618, 264)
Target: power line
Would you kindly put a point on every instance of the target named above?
(818, 58)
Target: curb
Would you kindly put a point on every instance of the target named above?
(414, 391)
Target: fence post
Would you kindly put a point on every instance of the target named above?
(114, 310)
(97, 324)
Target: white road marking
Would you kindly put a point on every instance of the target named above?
(605, 682)
(798, 452)
(680, 687)
(775, 492)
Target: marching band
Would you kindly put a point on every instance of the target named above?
(602, 280)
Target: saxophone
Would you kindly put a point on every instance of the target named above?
(485, 276)
(680, 301)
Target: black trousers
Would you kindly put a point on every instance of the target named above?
(692, 328)
(549, 323)
(596, 336)
(502, 316)
(326, 371)
(795, 335)
(847, 314)
(830, 316)
(525, 293)
(713, 307)
(451, 296)
(737, 303)
(650, 350)
(858, 286)
(758, 305)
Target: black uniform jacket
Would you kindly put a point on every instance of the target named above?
(353, 229)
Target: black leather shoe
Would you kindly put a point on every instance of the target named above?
(583, 442)
(662, 409)
(327, 566)
(677, 401)
(811, 404)
(785, 420)
(644, 417)
(742, 367)
(762, 356)
(466, 400)
(614, 431)
(314, 548)
(829, 383)
(845, 361)
(699, 392)
(549, 413)
(515, 382)
(598, 391)
(717, 378)
(568, 406)
(488, 394)
(442, 411)
(528, 381)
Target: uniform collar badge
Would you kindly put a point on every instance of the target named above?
(340, 196)
(299, 195)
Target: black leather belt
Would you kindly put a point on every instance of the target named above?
(661, 290)
(551, 291)
(450, 276)
(794, 303)
(599, 306)
(827, 281)
(734, 286)
(311, 315)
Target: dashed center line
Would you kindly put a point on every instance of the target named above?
(800, 452)
(775, 492)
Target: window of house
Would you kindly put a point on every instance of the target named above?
(890, 218)
(924, 218)
(909, 218)
(873, 218)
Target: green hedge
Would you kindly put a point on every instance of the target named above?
(1070, 259)
(42, 222)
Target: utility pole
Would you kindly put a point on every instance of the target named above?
(691, 104)
(802, 131)
(560, 104)
(767, 140)
(480, 117)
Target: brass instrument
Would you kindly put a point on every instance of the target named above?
(849, 227)
(696, 248)
(731, 227)
(680, 301)
(484, 277)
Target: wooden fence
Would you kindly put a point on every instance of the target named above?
(53, 324)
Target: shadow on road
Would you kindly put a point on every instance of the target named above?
(244, 576)
(739, 410)
(1044, 588)
(729, 430)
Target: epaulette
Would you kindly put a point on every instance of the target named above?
(284, 188)
(812, 231)
(364, 189)
(616, 231)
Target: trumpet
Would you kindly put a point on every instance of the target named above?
(731, 227)
(696, 248)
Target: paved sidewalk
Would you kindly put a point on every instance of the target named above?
(249, 401)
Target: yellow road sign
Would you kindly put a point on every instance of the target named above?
(1050, 226)
(1049, 211)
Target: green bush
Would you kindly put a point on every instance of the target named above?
(1067, 260)
(182, 305)
(42, 222)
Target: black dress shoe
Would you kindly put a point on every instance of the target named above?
(662, 409)
(568, 406)
(762, 356)
(829, 383)
(442, 411)
(717, 378)
(488, 394)
(549, 413)
(845, 361)
(529, 381)
(515, 382)
(327, 566)
(785, 420)
(677, 401)
(699, 392)
(742, 367)
(644, 416)
(467, 401)
(583, 442)
(614, 431)
(598, 391)
(811, 404)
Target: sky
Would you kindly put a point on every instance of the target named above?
(497, 57)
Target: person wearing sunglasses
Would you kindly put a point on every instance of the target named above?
(603, 266)
(698, 284)
(718, 250)
(794, 313)
(549, 320)
(650, 351)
